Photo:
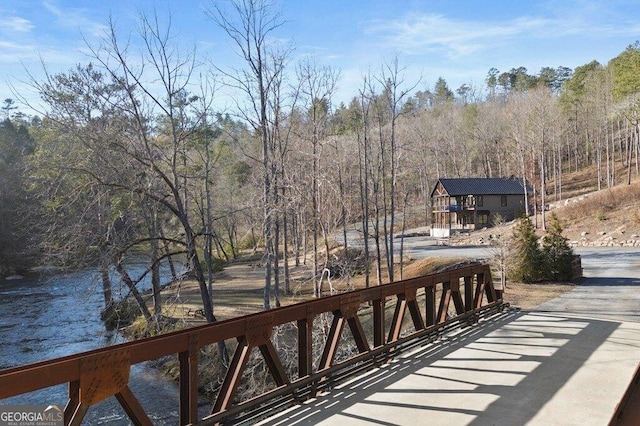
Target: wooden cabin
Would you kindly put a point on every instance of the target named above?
(466, 204)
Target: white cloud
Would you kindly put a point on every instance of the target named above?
(52, 8)
(76, 19)
(16, 24)
(417, 34)
(454, 38)
(13, 53)
(11, 47)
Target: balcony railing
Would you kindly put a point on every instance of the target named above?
(454, 208)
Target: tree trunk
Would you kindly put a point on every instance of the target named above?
(285, 247)
(107, 292)
(155, 283)
(126, 279)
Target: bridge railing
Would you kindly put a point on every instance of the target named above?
(435, 303)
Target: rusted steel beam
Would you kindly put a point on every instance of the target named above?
(398, 316)
(416, 316)
(102, 375)
(457, 297)
(468, 293)
(132, 407)
(358, 334)
(257, 336)
(350, 312)
(234, 373)
(333, 339)
(189, 382)
(274, 364)
(378, 322)
(445, 299)
(73, 402)
(412, 304)
(478, 294)
(159, 346)
(77, 414)
(488, 287)
(430, 306)
(305, 346)
(19, 380)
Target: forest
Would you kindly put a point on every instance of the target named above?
(129, 156)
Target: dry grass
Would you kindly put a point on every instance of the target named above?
(239, 290)
(614, 212)
(585, 181)
(528, 296)
(430, 265)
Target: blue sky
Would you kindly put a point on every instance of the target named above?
(459, 40)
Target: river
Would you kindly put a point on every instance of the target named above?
(55, 316)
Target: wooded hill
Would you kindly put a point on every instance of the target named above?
(130, 160)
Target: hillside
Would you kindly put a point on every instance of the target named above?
(607, 217)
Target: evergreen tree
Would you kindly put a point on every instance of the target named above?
(626, 76)
(527, 256)
(442, 93)
(558, 254)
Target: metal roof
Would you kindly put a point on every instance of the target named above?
(482, 186)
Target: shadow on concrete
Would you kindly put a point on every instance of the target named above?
(609, 298)
(609, 282)
(513, 369)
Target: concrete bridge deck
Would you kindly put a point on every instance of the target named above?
(568, 362)
(532, 368)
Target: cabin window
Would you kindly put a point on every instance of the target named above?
(479, 201)
(483, 218)
(503, 200)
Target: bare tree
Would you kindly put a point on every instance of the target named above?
(599, 84)
(542, 125)
(394, 95)
(517, 136)
(249, 24)
(166, 108)
(362, 128)
(316, 88)
(148, 135)
(83, 119)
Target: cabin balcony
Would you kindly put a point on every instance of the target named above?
(454, 208)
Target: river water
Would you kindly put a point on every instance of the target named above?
(55, 316)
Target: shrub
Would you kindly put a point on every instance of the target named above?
(249, 241)
(216, 263)
(558, 254)
(526, 254)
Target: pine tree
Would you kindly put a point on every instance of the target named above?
(527, 255)
(558, 254)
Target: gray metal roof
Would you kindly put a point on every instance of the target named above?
(482, 186)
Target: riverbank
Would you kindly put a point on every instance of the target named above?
(238, 290)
